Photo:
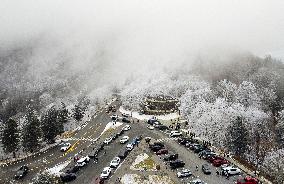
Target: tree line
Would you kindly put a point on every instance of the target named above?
(36, 129)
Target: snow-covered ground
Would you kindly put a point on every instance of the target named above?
(138, 179)
(146, 117)
(57, 168)
(143, 161)
(111, 125)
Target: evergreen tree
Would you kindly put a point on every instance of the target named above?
(63, 116)
(237, 137)
(10, 136)
(49, 125)
(31, 131)
(46, 178)
(78, 113)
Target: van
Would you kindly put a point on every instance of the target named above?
(123, 154)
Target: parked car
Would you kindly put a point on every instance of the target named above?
(150, 127)
(163, 127)
(129, 147)
(184, 140)
(73, 170)
(162, 152)
(214, 157)
(247, 180)
(125, 115)
(83, 161)
(124, 139)
(121, 132)
(230, 170)
(99, 180)
(184, 173)
(206, 169)
(156, 146)
(114, 117)
(219, 162)
(176, 164)
(126, 127)
(125, 120)
(123, 154)
(108, 140)
(65, 177)
(171, 157)
(197, 181)
(65, 146)
(22, 172)
(175, 133)
(156, 124)
(106, 172)
(115, 136)
(115, 162)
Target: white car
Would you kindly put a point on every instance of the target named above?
(106, 172)
(115, 162)
(231, 170)
(125, 115)
(129, 147)
(108, 140)
(83, 161)
(124, 139)
(126, 127)
(197, 181)
(175, 133)
(184, 173)
(65, 146)
(150, 127)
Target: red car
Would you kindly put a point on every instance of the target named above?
(98, 180)
(211, 159)
(162, 152)
(247, 180)
(219, 162)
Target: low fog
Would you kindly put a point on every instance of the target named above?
(96, 45)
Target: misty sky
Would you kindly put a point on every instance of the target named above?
(151, 30)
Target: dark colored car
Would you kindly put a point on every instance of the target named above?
(163, 127)
(206, 169)
(121, 132)
(198, 149)
(73, 170)
(156, 146)
(184, 140)
(125, 120)
(162, 151)
(67, 177)
(176, 164)
(194, 146)
(99, 180)
(123, 154)
(22, 172)
(115, 136)
(171, 157)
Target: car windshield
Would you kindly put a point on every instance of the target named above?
(104, 172)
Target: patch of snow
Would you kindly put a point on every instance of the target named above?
(112, 125)
(140, 158)
(57, 168)
(146, 117)
(138, 179)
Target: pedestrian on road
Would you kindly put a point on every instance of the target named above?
(217, 172)
(105, 152)
(227, 175)
(196, 168)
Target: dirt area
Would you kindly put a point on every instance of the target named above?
(143, 167)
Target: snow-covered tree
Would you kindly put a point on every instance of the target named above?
(49, 125)
(237, 137)
(246, 94)
(78, 113)
(63, 116)
(10, 136)
(31, 130)
(46, 178)
(227, 90)
(280, 129)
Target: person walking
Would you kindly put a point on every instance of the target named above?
(196, 168)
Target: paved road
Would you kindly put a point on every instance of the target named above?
(83, 140)
(53, 156)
